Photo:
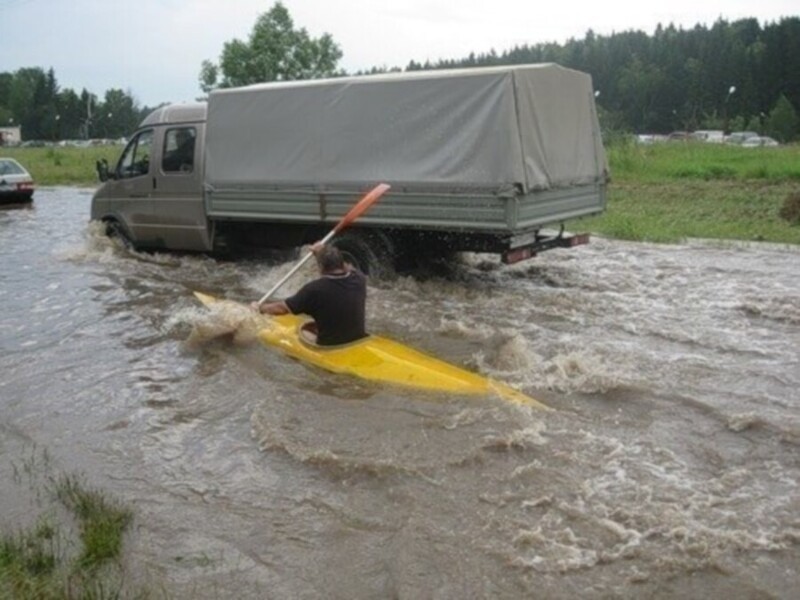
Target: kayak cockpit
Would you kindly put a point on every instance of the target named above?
(307, 334)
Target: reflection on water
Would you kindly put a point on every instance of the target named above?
(669, 470)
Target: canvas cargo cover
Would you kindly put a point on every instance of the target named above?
(530, 126)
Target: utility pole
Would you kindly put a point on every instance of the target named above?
(731, 91)
(88, 120)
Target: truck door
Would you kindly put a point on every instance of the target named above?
(128, 193)
(178, 196)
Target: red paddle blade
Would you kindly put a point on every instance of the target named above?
(362, 206)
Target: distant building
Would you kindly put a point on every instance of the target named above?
(10, 136)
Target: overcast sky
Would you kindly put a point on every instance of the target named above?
(153, 48)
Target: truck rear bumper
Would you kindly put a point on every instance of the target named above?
(528, 248)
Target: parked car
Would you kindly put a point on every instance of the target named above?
(758, 141)
(738, 137)
(16, 184)
(710, 136)
(679, 136)
(650, 138)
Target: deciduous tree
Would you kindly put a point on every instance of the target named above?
(275, 51)
(782, 120)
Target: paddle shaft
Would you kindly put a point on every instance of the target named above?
(294, 270)
(360, 208)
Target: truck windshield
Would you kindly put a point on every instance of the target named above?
(135, 161)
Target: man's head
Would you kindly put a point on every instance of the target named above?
(329, 260)
(184, 136)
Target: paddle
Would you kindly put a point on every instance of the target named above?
(359, 209)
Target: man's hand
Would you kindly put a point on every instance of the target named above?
(316, 248)
(271, 308)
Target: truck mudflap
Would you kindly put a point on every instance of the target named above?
(525, 247)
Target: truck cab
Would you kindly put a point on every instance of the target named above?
(153, 196)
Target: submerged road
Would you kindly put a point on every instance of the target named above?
(669, 469)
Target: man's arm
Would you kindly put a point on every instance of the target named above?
(271, 308)
(299, 300)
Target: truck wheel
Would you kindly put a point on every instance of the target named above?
(369, 253)
(116, 232)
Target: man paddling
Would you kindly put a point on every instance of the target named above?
(336, 300)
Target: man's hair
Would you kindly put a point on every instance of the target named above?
(330, 259)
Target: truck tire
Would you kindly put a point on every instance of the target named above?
(116, 232)
(369, 252)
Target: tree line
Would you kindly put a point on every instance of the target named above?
(31, 99)
(730, 76)
(736, 75)
(733, 75)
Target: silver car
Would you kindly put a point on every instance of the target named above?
(16, 184)
(759, 141)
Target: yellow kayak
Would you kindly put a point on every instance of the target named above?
(377, 358)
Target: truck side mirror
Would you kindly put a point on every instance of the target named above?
(102, 169)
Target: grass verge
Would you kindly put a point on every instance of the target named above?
(662, 192)
(671, 211)
(43, 562)
(102, 521)
(669, 192)
(696, 161)
(63, 165)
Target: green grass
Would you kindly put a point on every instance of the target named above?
(63, 166)
(673, 211)
(43, 562)
(682, 161)
(102, 521)
(668, 192)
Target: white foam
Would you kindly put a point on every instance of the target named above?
(220, 319)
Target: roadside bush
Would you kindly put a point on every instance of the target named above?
(782, 120)
(791, 209)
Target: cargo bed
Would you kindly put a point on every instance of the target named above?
(466, 210)
(496, 149)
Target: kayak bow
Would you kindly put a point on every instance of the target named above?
(377, 358)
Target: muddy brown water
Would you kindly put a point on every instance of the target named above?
(669, 469)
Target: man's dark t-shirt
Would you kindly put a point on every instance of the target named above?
(336, 302)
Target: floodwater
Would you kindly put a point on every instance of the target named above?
(670, 468)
